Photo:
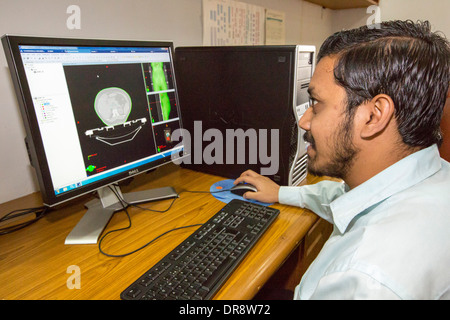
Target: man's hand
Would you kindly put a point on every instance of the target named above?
(267, 189)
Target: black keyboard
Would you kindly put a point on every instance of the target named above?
(197, 268)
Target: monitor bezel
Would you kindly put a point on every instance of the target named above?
(33, 139)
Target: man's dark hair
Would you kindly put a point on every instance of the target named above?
(402, 59)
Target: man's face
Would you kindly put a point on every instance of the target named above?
(328, 128)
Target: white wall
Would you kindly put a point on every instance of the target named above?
(349, 19)
(316, 24)
(436, 11)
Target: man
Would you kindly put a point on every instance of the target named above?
(378, 97)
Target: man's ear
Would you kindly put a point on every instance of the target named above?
(376, 115)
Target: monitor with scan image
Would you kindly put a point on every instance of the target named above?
(95, 112)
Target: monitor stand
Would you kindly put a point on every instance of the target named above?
(100, 211)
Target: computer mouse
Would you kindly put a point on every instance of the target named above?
(242, 188)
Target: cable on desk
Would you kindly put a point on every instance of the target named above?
(38, 211)
(142, 247)
(125, 204)
(170, 206)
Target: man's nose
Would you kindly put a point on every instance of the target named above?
(305, 121)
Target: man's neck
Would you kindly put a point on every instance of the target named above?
(370, 162)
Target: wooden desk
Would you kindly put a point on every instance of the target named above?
(34, 262)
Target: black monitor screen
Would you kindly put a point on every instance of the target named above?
(95, 111)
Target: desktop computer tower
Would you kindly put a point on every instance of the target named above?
(240, 106)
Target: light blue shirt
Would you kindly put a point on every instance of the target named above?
(391, 237)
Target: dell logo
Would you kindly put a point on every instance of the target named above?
(131, 172)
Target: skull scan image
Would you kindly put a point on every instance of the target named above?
(113, 106)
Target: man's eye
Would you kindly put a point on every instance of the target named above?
(312, 101)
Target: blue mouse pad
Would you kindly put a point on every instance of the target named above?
(227, 196)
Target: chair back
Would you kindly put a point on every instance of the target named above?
(445, 127)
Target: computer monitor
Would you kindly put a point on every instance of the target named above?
(95, 112)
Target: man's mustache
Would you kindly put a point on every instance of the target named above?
(307, 136)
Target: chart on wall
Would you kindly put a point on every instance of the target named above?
(227, 22)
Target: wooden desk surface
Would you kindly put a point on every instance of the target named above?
(35, 263)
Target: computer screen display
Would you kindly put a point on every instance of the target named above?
(95, 111)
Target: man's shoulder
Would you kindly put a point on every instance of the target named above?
(431, 192)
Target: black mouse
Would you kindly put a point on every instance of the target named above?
(242, 188)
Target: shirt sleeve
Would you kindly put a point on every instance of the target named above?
(351, 285)
(316, 197)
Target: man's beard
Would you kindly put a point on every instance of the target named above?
(343, 154)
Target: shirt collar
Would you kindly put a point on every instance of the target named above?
(398, 177)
